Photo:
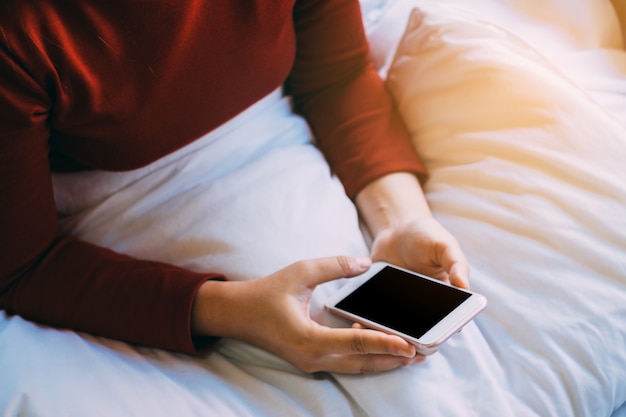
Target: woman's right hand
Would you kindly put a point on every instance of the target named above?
(273, 313)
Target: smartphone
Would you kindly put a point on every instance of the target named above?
(422, 310)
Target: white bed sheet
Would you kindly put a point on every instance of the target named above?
(536, 197)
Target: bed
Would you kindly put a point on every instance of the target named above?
(519, 110)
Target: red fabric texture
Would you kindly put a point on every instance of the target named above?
(116, 85)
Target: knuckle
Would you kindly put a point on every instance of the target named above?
(309, 363)
(303, 344)
(358, 344)
(441, 247)
(303, 266)
(344, 264)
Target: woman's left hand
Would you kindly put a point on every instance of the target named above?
(405, 232)
(423, 245)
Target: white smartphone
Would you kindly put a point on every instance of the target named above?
(420, 309)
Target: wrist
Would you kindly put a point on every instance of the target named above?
(391, 201)
(214, 308)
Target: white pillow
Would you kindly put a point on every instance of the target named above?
(460, 81)
(527, 171)
(554, 26)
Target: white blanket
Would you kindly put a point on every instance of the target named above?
(526, 157)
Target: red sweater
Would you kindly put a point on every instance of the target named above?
(117, 84)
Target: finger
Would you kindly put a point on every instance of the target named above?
(363, 341)
(459, 275)
(318, 271)
(455, 264)
(366, 364)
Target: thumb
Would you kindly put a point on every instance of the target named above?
(456, 265)
(318, 271)
(459, 275)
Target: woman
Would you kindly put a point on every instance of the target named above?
(91, 92)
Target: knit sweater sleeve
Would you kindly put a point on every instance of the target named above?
(58, 280)
(337, 89)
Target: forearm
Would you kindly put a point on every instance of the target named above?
(91, 289)
(337, 89)
(392, 200)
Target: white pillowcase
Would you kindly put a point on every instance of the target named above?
(461, 81)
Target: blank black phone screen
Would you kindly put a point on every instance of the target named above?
(403, 302)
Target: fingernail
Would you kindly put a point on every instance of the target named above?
(409, 352)
(364, 262)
